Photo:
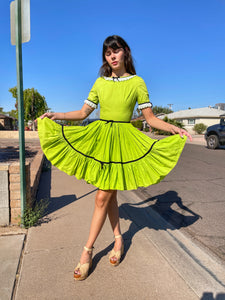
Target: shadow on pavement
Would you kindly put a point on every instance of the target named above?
(44, 192)
(163, 206)
(11, 153)
(209, 296)
(141, 217)
(56, 203)
(44, 186)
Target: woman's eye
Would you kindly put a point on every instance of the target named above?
(107, 53)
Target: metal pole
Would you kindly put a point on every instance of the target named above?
(20, 106)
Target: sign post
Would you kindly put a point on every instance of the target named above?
(17, 25)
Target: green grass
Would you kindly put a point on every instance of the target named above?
(33, 215)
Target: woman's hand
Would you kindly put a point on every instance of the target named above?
(153, 121)
(49, 115)
(180, 131)
(75, 115)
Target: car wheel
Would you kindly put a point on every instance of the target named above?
(212, 142)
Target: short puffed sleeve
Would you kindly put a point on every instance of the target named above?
(142, 95)
(93, 99)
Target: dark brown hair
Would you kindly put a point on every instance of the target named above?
(116, 42)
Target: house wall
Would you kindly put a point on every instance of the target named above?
(207, 121)
(2, 122)
(6, 134)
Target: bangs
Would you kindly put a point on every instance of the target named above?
(111, 44)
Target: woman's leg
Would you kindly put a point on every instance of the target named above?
(113, 214)
(102, 200)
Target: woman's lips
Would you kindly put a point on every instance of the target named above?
(114, 63)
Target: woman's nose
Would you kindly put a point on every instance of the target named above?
(113, 56)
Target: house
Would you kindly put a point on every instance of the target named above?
(6, 122)
(206, 115)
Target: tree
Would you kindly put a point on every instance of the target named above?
(173, 122)
(34, 103)
(137, 124)
(139, 112)
(161, 110)
(13, 113)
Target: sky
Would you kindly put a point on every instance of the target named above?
(178, 48)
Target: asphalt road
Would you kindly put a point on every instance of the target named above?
(192, 196)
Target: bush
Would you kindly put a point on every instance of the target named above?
(199, 128)
(173, 122)
(146, 129)
(137, 124)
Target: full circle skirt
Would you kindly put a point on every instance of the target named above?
(109, 155)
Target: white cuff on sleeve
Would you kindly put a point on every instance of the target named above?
(144, 105)
(90, 103)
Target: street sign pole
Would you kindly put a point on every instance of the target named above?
(20, 105)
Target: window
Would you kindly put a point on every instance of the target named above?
(191, 121)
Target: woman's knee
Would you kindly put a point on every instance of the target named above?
(102, 198)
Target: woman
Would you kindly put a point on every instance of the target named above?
(110, 153)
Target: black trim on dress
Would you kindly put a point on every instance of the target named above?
(106, 162)
(107, 121)
(146, 103)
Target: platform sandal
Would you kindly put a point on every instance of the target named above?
(83, 268)
(117, 254)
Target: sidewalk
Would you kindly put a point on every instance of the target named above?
(197, 139)
(52, 250)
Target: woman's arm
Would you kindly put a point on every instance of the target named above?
(153, 121)
(75, 115)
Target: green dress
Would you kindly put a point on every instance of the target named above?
(111, 153)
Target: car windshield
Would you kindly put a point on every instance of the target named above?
(223, 122)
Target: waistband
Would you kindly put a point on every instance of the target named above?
(107, 121)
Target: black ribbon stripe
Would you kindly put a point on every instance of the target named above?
(106, 162)
(107, 121)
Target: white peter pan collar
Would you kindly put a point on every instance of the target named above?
(119, 78)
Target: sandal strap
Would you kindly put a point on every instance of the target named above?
(88, 249)
(118, 236)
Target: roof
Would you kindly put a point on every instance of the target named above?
(138, 118)
(2, 116)
(204, 112)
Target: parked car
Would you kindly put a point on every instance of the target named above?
(215, 134)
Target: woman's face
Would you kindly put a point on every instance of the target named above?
(115, 58)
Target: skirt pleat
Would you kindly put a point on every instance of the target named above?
(109, 155)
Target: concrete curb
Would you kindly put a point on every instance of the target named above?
(200, 269)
